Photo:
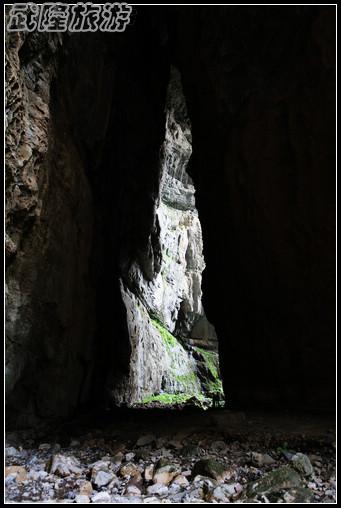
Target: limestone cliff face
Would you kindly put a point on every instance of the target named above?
(164, 310)
(49, 310)
(76, 224)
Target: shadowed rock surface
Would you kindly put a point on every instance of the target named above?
(85, 123)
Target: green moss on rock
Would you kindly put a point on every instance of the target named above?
(211, 360)
(189, 380)
(167, 337)
(174, 399)
(212, 386)
(284, 477)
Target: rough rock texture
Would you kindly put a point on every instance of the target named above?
(48, 223)
(81, 215)
(164, 297)
(83, 203)
(164, 471)
(76, 216)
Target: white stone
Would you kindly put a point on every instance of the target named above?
(133, 490)
(181, 480)
(148, 473)
(157, 488)
(12, 452)
(102, 478)
(82, 499)
(101, 497)
(64, 465)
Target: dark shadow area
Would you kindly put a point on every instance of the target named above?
(260, 90)
(260, 93)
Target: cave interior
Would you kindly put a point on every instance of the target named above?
(258, 89)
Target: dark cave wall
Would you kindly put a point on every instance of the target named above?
(49, 226)
(91, 111)
(260, 87)
(80, 190)
(114, 89)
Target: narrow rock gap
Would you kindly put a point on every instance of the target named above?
(174, 353)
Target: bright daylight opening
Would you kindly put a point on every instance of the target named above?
(174, 357)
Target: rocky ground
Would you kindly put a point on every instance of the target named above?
(174, 457)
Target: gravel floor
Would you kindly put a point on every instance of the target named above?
(174, 457)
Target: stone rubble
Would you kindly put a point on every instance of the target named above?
(227, 470)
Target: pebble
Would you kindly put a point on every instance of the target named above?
(128, 470)
(44, 446)
(133, 490)
(193, 495)
(115, 482)
(148, 473)
(63, 465)
(85, 488)
(205, 480)
(37, 475)
(163, 474)
(181, 480)
(101, 497)
(18, 473)
(212, 469)
(82, 499)
(116, 499)
(10, 451)
(261, 459)
(151, 500)
(302, 464)
(102, 478)
(220, 494)
(117, 458)
(157, 488)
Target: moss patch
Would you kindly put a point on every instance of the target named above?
(212, 386)
(211, 360)
(167, 398)
(173, 399)
(193, 389)
(215, 387)
(187, 379)
(167, 337)
(284, 477)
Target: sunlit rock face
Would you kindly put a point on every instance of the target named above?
(165, 315)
